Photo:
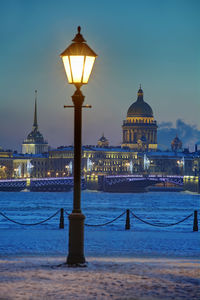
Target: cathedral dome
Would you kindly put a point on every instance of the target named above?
(176, 144)
(35, 137)
(140, 108)
(103, 142)
(103, 139)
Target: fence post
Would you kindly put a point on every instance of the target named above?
(61, 225)
(195, 222)
(127, 226)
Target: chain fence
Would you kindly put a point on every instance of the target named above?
(160, 224)
(127, 224)
(32, 224)
(109, 222)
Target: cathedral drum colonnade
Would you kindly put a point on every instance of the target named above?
(140, 128)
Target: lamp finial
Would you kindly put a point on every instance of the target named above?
(79, 38)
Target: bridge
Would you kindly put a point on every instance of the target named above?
(114, 183)
(178, 180)
(56, 184)
(136, 183)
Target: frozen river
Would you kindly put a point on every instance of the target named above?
(98, 207)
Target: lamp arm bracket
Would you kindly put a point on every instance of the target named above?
(87, 106)
(72, 106)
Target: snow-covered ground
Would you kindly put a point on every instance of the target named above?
(104, 278)
(141, 263)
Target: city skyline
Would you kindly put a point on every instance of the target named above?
(148, 42)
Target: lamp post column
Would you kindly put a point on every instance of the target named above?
(76, 218)
(78, 59)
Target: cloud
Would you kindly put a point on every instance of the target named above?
(188, 134)
(165, 125)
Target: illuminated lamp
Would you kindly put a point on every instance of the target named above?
(78, 60)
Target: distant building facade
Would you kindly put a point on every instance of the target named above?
(35, 143)
(137, 155)
(98, 161)
(168, 163)
(6, 164)
(140, 129)
(95, 160)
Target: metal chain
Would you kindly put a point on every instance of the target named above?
(161, 225)
(96, 225)
(19, 223)
(109, 222)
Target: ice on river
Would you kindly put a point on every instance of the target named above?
(109, 240)
(144, 262)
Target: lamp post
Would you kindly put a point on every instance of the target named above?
(78, 60)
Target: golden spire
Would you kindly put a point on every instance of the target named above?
(140, 93)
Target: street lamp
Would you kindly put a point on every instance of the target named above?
(78, 60)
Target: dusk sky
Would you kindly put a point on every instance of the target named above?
(152, 42)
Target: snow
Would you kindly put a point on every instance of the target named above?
(104, 278)
(141, 263)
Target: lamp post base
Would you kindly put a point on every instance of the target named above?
(76, 240)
